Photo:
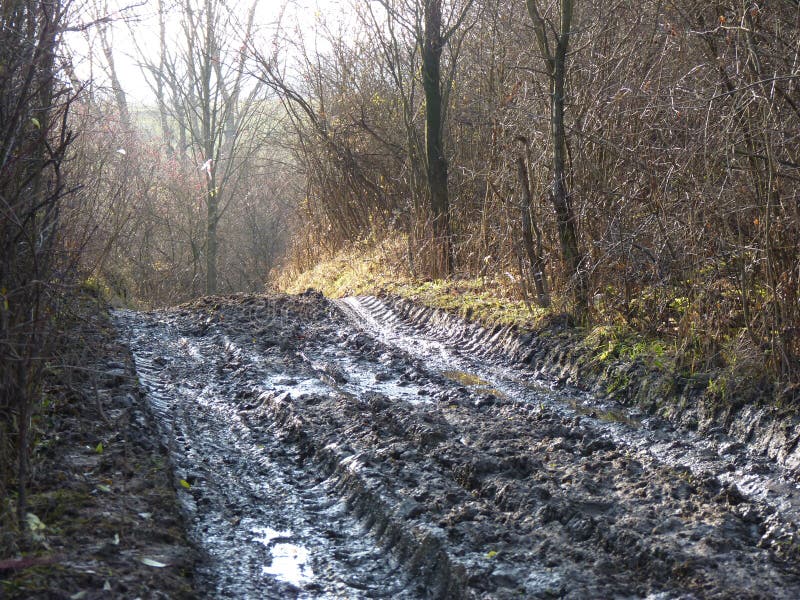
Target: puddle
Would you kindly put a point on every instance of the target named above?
(467, 379)
(297, 387)
(360, 381)
(290, 564)
(603, 414)
(474, 382)
(267, 535)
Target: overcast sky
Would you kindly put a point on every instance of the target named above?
(139, 19)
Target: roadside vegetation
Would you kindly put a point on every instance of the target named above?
(608, 343)
(633, 165)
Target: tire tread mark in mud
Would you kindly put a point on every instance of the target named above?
(243, 480)
(476, 495)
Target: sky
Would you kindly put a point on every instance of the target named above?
(137, 20)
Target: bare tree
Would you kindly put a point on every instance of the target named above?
(214, 104)
(105, 32)
(33, 141)
(553, 41)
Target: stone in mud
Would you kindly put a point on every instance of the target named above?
(580, 527)
(730, 448)
(732, 495)
(408, 510)
(484, 400)
(545, 583)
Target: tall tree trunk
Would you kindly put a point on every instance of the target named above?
(556, 64)
(163, 111)
(434, 142)
(529, 229)
(565, 217)
(116, 87)
(209, 147)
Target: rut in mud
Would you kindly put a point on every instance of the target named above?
(337, 450)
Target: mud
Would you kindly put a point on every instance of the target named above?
(556, 354)
(348, 450)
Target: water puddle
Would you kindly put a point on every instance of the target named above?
(467, 379)
(607, 415)
(267, 535)
(475, 383)
(297, 387)
(361, 381)
(290, 564)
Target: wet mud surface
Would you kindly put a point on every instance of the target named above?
(341, 450)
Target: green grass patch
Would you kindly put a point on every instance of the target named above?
(364, 270)
(617, 342)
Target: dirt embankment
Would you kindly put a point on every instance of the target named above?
(106, 520)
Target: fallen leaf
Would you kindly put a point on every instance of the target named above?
(153, 563)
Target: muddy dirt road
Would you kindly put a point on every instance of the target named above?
(337, 450)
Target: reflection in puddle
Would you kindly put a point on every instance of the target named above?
(290, 564)
(473, 381)
(289, 561)
(267, 535)
(607, 415)
(465, 378)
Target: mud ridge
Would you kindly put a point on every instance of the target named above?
(555, 355)
(418, 550)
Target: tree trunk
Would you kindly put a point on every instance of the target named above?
(116, 87)
(529, 229)
(564, 215)
(434, 142)
(556, 65)
(209, 131)
(163, 111)
(211, 238)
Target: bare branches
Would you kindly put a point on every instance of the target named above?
(34, 140)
